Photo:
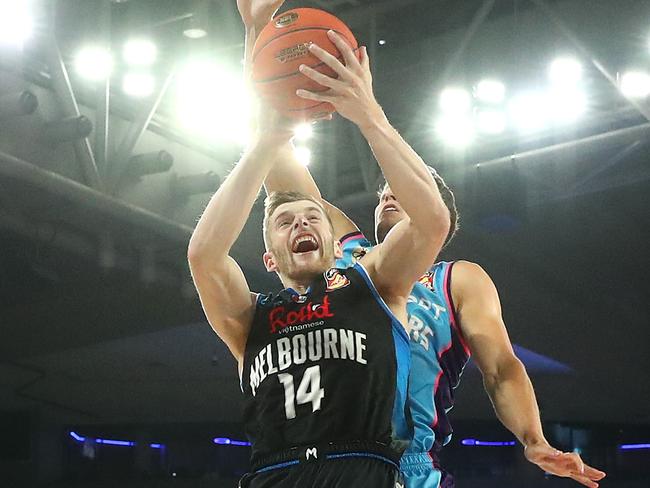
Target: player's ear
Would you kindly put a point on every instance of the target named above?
(269, 262)
(338, 250)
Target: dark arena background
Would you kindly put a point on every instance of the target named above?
(119, 119)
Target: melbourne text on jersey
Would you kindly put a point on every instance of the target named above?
(315, 345)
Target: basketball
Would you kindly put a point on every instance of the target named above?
(280, 49)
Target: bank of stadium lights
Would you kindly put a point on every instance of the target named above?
(490, 91)
(211, 102)
(529, 111)
(455, 100)
(303, 155)
(94, 63)
(140, 52)
(566, 106)
(16, 22)
(139, 85)
(565, 72)
(490, 121)
(455, 130)
(635, 84)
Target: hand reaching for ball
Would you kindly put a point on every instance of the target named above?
(351, 93)
(256, 13)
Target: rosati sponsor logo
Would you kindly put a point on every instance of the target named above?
(280, 318)
(335, 280)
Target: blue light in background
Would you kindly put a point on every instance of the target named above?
(225, 441)
(632, 447)
(474, 442)
(112, 442)
(77, 437)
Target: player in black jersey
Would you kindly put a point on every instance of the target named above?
(324, 363)
(475, 302)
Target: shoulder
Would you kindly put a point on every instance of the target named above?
(470, 279)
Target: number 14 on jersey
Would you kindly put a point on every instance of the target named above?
(309, 391)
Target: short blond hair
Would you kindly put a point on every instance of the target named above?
(277, 198)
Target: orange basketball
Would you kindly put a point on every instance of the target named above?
(282, 46)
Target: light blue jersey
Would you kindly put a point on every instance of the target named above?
(438, 356)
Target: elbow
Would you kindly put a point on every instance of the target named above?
(196, 252)
(437, 223)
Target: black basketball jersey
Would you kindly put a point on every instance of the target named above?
(328, 366)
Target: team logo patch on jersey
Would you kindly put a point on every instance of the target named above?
(335, 280)
(427, 281)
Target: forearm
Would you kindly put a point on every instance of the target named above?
(229, 208)
(406, 173)
(513, 397)
(288, 174)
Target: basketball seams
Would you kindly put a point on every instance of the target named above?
(273, 39)
(294, 73)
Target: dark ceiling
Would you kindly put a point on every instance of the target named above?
(100, 323)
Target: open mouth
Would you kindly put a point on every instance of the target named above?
(304, 243)
(390, 208)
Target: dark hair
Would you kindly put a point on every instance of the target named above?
(450, 202)
(277, 198)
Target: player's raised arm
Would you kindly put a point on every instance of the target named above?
(287, 174)
(224, 293)
(412, 246)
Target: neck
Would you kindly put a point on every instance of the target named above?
(299, 284)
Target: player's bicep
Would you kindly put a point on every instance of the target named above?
(479, 311)
(227, 302)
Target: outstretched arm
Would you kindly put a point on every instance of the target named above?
(413, 244)
(288, 174)
(225, 295)
(504, 376)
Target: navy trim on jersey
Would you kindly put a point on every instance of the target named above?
(450, 297)
(351, 235)
(362, 454)
(278, 466)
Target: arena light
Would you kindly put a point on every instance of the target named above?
(491, 121)
(490, 91)
(475, 442)
(529, 111)
(303, 132)
(633, 447)
(565, 71)
(140, 52)
(138, 85)
(94, 63)
(16, 23)
(212, 102)
(303, 155)
(565, 106)
(455, 130)
(635, 84)
(226, 441)
(455, 100)
(112, 442)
